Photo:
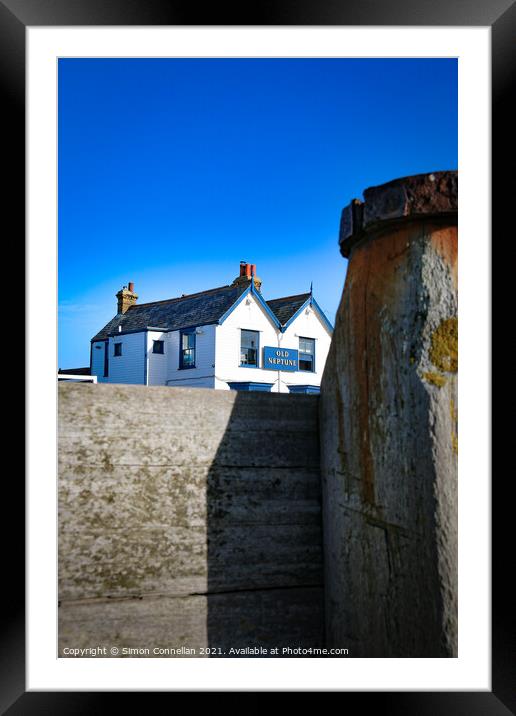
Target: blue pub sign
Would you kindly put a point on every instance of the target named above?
(280, 358)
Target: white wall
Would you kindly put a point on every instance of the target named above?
(157, 363)
(307, 325)
(97, 360)
(248, 315)
(130, 366)
(202, 376)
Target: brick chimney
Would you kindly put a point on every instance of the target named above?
(246, 272)
(126, 297)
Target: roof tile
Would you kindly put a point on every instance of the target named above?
(285, 308)
(174, 313)
(192, 310)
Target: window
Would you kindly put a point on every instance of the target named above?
(118, 349)
(249, 348)
(307, 354)
(187, 349)
(158, 347)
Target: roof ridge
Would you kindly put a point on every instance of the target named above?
(179, 298)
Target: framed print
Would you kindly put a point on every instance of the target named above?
(51, 53)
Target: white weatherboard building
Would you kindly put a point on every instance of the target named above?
(225, 338)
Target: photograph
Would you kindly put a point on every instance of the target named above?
(251, 464)
(257, 370)
(258, 249)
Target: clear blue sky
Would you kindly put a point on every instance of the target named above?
(171, 171)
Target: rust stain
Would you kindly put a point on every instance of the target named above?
(340, 419)
(375, 267)
(362, 266)
(376, 274)
(444, 241)
(454, 419)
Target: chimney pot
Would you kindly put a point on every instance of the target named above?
(126, 298)
(247, 272)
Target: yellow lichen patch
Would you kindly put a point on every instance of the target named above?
(444, 346)
(435, 378)
(455, 444)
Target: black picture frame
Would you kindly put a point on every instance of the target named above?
(15, 17)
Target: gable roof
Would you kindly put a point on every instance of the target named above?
(288, 309)
(194, 310)
(174, 313)
(285, 308)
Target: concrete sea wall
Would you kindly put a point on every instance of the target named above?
(188, 518)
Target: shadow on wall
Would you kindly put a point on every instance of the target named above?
(188, 518)
(264, 532)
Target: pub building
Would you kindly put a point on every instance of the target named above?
(228, 338)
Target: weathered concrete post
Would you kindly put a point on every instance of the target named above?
(389, 425)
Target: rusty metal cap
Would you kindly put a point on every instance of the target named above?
(415, 197)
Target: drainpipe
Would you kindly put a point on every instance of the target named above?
(280, 336)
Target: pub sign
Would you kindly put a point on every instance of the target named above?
(280, 358)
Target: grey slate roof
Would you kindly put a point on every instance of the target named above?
(196, 309)
(284, 308)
